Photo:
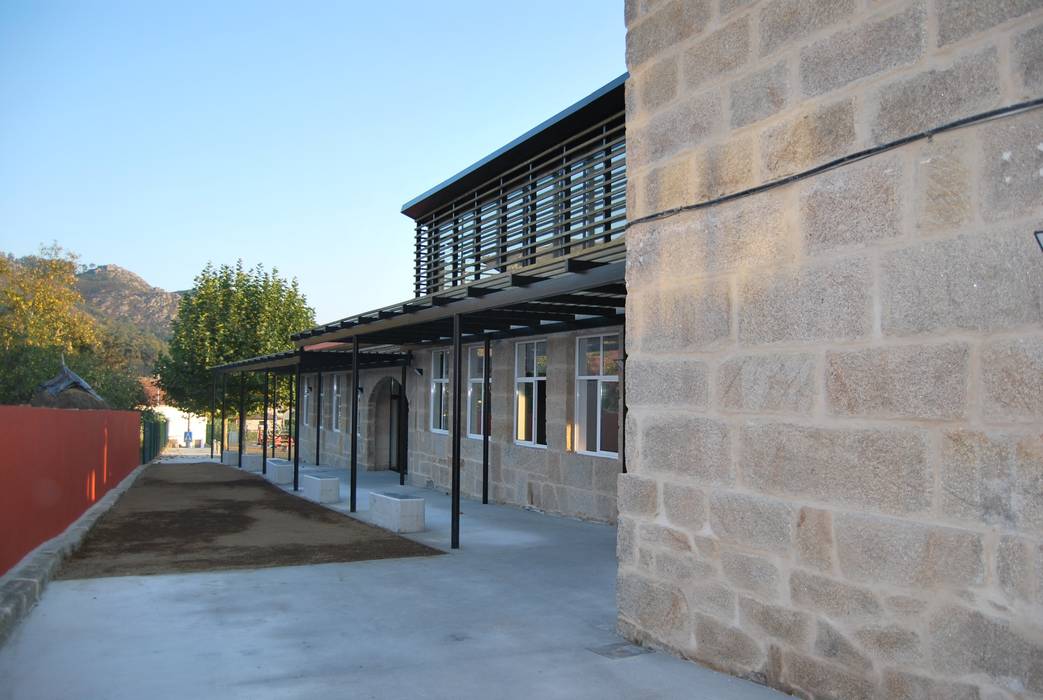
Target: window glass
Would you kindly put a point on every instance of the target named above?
(597, 394)
(590, 356)
(531, 392)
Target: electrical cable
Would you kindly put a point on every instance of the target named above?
(845, 160)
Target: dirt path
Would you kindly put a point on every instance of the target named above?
(204, 516)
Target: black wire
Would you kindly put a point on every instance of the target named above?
(844, 160)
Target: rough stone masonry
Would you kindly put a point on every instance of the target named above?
(835, 387)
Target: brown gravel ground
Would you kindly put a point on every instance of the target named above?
(179, 518)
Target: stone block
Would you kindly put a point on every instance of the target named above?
(787, 304)
(1011, 183)
(579, 474)
(943, 183)
(1012, 379)
(280, 471)
(993, 478)
(676, 127)
(905, 605)
(891, 643)
(637, 496)
(719, 53)
(762, 523)
(1027, 60)
(830, 643)
(723, 168)
(663, 27)
(807, 139)
(759, 95)
(961, 18)
(896, 552)
(938, 96)
(867, 49)
(669, 186)
(985, 282)
(727, 6)
(909, 381)
(685, 506)
(779, 382)
(822, 680)
(964, 641)
(832, 598)
(694, 317)
(658, 83)
(713, 598)
(653, 607)
(665, 381)
(786, 21)
(321, 489)
(857, 204)
(790, 626)
(396, 512)
(683, 569)
(899, 685)
(663, 537)
(626, 540)
(751, 573)
(691, 446)
(724, 646)
(1016, 559)
(885, 470)
(814, 538)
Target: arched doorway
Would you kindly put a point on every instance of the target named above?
(388, 427)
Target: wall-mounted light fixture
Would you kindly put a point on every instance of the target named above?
(420, 370)
(1039, 239)
(360, 391)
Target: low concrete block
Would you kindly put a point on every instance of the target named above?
(280, 471)
(397, 512)
(321, 489)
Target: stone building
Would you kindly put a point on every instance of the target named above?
(831, 302)
(835, 384)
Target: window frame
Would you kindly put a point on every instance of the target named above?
(480, 382)
(436, 381)
(518, 347)
(306, 398)
(601, 379)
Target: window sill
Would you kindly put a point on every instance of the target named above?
(530, 444)
(438, 431)
(603, 455)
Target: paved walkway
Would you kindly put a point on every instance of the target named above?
(525, 609)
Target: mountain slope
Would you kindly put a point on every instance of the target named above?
(111, 293)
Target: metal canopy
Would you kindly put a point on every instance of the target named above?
(585, 292)
(333, 360)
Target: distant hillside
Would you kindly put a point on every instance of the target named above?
(111, 293)
(136, 314)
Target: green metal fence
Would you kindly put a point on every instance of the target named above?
(153, 436)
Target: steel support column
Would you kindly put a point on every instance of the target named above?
(224, 412)
(264, 427)
(486, 416)
(242, 416)
(354, 421)
(297, 429)
(318, 415)
(213, 412)
(623, 398)
(403, 431)
(457, 389)
(275, 412)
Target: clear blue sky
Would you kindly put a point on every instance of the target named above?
(160, 135)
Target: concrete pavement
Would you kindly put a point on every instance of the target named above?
(525, 609)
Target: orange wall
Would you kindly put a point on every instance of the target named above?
(55, 463)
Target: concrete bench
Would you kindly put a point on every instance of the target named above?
(280, 471)
(397, 512)
(321, 489)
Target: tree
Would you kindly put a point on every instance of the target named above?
(229, 314)
(42, 324)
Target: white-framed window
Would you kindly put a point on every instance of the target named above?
(476, 391)
(530, 393)
(306, 402)
(597, 395)
(440, 391)
(338, 386)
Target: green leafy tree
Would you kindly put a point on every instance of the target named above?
(230, 313)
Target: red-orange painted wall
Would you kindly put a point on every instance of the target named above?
(54, 464)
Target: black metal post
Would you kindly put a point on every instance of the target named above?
(318, 416)
(213, 412)
(297, 429)
(354, 421)
(486, 417)
(457, 385)
(290, 437)
(275, 413)
(242, 416)
(623, 398)
(403, 431)
(264, 427)
(224, 412)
